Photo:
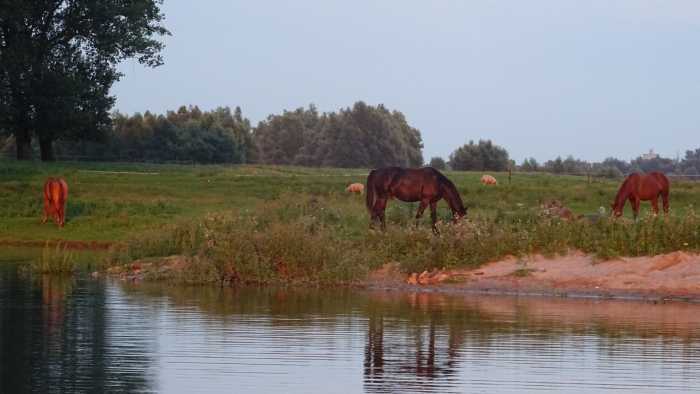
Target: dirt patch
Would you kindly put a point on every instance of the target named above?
(675, 276)
(71, 245)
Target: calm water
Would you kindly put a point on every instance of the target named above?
(74, 335)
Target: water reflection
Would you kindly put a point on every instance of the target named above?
(85, 335)
(451, 343)
(54, 336)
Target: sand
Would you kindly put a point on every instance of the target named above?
(670, 276)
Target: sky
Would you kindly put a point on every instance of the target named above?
(592, 79)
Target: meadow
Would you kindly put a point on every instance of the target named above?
(267, 224)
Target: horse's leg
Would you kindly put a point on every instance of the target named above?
(421, 208)
(46, 213)
(47, 209)
(61, 215)
(664, 197)
(378, 211)
(433, 216)
(635, 207)
(655, 205)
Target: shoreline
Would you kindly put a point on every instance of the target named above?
(66, 244)
(662, 278)
(673, 276)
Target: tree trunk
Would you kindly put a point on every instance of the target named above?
(46, 145)
(23, 142)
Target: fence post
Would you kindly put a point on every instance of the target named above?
(510, 173)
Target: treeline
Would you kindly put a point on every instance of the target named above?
(486, 156)
(361, 136)
(613, 167)
(188, 134)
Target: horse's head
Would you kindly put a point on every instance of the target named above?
(459, 214)
(615, 210)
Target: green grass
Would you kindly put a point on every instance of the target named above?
(271, 223)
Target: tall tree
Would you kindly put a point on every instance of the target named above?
(58, 60)
(479, 157)
(438, 163)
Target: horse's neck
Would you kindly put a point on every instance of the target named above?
(450, 198)
(629, 187)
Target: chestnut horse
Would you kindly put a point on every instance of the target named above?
(55, 196)
(426, 185)
(639, 187)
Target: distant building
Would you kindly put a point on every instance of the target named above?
(650, 156)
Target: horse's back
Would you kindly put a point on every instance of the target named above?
(661, 179)
(56, 190)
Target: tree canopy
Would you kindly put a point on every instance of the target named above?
(484, 156)
(58, 61)
(361, 136)
(188, 134)
(438, 163)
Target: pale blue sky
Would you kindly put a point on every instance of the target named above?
(592, 78)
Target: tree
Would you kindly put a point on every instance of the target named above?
(361, 136)
(188, 134)
(556, 166)
(438, 163)
(621, 165)
(530, 165)
(484, 156)
(661, 164)
(58, 61)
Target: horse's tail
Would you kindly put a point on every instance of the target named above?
(369, 196)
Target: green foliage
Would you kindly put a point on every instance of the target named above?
(484, 156)
(188, 134)
(151, 211)
(438, 163)
(360, 137)
(283, 242)
(608, 172)
(530, 165)
(58, 62)
(55, 259)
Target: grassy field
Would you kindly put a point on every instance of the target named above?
(298, 222)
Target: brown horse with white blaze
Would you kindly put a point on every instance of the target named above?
(55, 196)
(425, 185)
(638, 187)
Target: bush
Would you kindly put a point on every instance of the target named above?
(308, 239)
(438, 163)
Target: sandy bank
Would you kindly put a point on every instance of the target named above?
(670, 276)
(673, 276)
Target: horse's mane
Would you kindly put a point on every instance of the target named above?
(623, 191)
(451, 190)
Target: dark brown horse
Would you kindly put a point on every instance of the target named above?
(426, 185)
(639, 187)
(55, 196)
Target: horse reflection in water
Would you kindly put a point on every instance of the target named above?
(388, 367)
(54, 290)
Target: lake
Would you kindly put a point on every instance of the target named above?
(89, 335)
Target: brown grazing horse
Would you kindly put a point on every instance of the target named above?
(639, 187)
(426, 185)
(55, 196)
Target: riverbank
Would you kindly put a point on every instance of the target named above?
(672, 276)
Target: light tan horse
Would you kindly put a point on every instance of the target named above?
(55, 197)
(355, 188)
(488, 180)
